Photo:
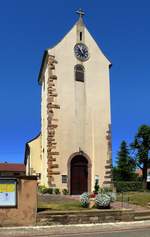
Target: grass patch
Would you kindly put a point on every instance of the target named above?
(53, 203)
(138, 198)
(60, 206)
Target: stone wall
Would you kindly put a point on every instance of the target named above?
(24, 213)
(84, 217)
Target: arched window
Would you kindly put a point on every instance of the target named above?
(79, 73)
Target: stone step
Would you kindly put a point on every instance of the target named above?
(141, 218)
(142, 215)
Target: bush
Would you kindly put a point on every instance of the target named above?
(50, 190)
(56, 191)
(65, 191)
(102, 200)
(47, 190)
(40, 188)
(84, 199)
(96, 187)
(128, 186)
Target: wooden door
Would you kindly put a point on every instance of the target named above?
(79, 175)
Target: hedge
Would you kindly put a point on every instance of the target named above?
(122, 186)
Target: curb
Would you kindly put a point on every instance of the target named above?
(113, 224)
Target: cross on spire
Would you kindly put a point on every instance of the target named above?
(80, 12)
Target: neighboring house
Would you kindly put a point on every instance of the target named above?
(139, 173)
(12, 169)
(74, 148)
(32, 159)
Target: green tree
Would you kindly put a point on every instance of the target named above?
(125, 169)
(141, 149)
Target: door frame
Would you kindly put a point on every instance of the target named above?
(81, 153)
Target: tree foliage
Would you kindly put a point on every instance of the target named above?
(141, 149)
(125, 168)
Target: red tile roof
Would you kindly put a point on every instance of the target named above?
(12, 167)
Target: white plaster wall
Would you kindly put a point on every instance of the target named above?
(34, 159)
(44, 179)
(86, 130)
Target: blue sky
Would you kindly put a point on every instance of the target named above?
(27, 28)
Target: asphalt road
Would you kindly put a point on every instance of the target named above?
(136, 229)
(125, 233)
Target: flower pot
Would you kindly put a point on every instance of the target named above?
(91, 202)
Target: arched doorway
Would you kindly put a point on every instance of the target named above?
(79, 175)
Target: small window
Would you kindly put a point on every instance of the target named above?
(64, 179)
(80, 36)
(79, 73)
(38, 175)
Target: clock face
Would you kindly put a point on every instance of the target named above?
(81, 51)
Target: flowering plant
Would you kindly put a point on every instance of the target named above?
(84, 199)
(92, 195)
(102, 200)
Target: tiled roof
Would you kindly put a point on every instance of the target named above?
(12, 167)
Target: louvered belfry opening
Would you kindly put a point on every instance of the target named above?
(79, 73)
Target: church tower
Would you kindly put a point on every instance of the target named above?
(75, 138)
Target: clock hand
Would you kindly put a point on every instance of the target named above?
(80, 48)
